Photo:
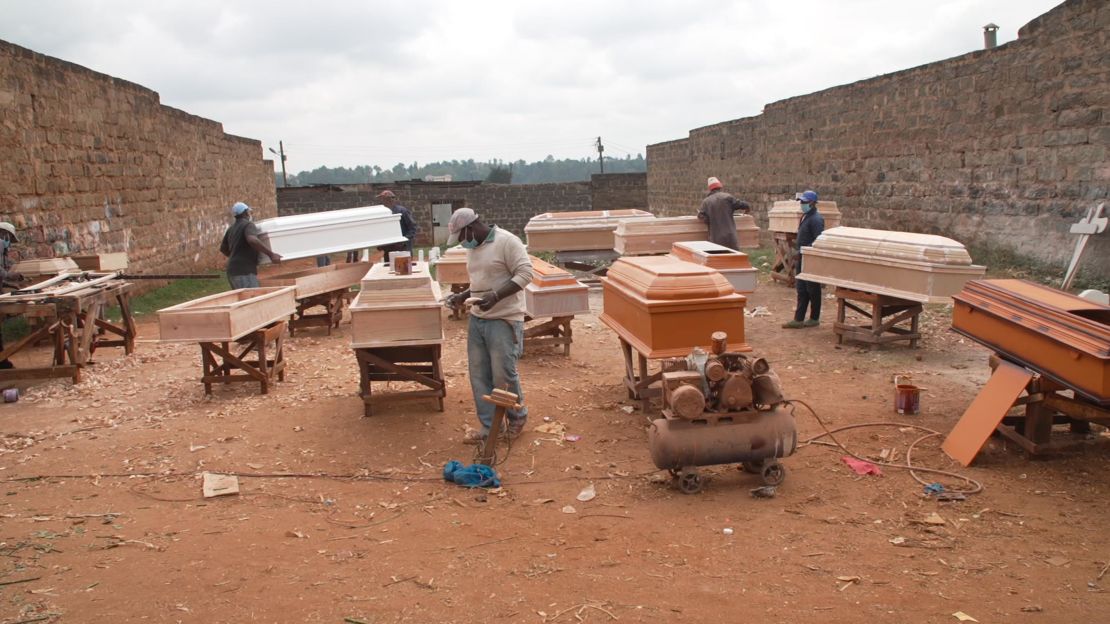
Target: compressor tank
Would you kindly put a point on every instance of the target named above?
(727, 438)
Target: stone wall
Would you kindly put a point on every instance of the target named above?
(1004, 147)
(89, 163)
(507, 205)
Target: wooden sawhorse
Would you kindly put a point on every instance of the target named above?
(333, 302)
(418, 363)
(885, 314)
(554, 331)
(786, 257)
(637, 379)
(222, 365)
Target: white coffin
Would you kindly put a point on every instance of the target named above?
(578, 231)
(734, 265)
(785, 216)
(917, 267)
(319, 233)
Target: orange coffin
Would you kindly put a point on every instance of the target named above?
(664, 307)
(1064, 337)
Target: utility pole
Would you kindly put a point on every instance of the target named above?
(281, 146)
(601, 154)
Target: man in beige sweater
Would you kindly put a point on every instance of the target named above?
(499, 270)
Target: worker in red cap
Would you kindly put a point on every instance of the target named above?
(717, 210)
(408, 225)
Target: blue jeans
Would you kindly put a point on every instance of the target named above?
(243, 281)
(492, 348)
(322, 261)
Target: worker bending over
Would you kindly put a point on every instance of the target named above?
(717, 210)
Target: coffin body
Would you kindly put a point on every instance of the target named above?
(917, 267)
(102, 262)
(319, 233)
(451, 267)
(554, 292)
(665, 307)
(655, 236)
(734, 265)
(396, 310)
(578, 231)
(785, 216)
(227, 316)
(1061, 336)
(38, 267)
(311, 282)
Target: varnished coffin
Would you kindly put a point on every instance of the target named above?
(319, 233)
(578, 231)
(38, 267)
(655, 236)
(102, 262)
(451, 267)
(917, 267)
(554, 292)
(396, 310)
(310, 282)
(734, 265)
(227, 316)
(1064, 337)
(785, 216)
(664, 307)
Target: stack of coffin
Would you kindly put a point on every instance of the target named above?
(655, 236)
(311, 282)
(451, 267)
(396, 310)
(40, 267)
(227, 316)
(554, 292)
(785, 216)
(1057, 334)
(734, 265)
(917, 267)
(102, 262)
(664, 307)
(319, 233)
(578, 231)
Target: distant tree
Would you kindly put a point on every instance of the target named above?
(499, 174)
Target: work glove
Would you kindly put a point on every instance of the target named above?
(487, 302)
(453, 300)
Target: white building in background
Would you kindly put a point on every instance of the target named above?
(439, 178)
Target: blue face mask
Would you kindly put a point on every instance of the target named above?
(5, 244)
(469, 242)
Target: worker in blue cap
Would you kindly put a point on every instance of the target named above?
(809, 293)
(241, 245)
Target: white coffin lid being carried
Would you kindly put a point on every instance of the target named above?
(917, 267)
(319, 233)
(786, 215)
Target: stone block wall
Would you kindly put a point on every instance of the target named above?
(91, 163)
(1003, 147)
(616, 191)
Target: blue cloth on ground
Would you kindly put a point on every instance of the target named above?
(474, 475)
(934, 488)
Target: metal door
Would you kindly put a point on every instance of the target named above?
(441, 214)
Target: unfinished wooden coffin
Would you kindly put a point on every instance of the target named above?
(451, 267)
(734, 265)
(578, 231)
(396, 310)
(785, 216)
(227, 316)
(664, 307)
(102, 261)
(38, 267)
(382, 285)
(554, 292)
(311, 282)
(1057, 334)
(656, 236)
(917, 267)
(319, 233)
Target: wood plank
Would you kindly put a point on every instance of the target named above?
(986, 411)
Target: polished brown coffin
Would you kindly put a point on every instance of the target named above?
(451, 267)
(916, 267)
(578, 231)
(554, 292)
(396, 310)
(310, 282)
(1057, 334)
(734, 265)
(226, 316)
(664, 307)
(655, 236)
(785, 216)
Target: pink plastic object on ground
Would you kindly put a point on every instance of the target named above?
(861, 467)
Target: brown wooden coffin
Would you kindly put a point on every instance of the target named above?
(102, 262)
(664, 307)
(451, 267)
(38, 267)
(227, 316)
(382, 285)
(1057, 334)
(554, 292)
(734, 265)
(917, 267)
(655, 236)
(396, 310)
(785, 216)
(310, 282)
(578, 231)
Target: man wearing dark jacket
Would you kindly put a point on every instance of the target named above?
(408, 224)
(809, 293)
(717, 211)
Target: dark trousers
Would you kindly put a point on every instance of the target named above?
(809, 295)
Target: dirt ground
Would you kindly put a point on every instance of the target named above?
(379, 537)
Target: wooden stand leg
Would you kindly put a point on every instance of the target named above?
(503, 401)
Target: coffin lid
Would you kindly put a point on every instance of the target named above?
(668, 278)
(546, 274)
(326, 218)
(890, 244)
(710, 254)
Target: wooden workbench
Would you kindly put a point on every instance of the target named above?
(884, 316)
(417, 362)
(266, 364)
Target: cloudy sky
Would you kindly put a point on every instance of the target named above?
(376, 82)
